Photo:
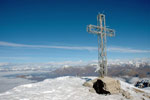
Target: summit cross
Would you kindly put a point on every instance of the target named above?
(101, 32)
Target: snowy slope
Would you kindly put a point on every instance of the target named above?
(63, 88)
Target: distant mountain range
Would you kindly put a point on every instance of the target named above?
(42, 71)
(116, 68)
(116, 71)
(50, 66)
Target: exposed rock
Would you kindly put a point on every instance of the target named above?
(106, 86)
(88, 84)
(146, 95)
(126, 94)
(138, 90)
(142, 98)
(99, 87)
(142, 84)
(92, 90)
(109, 84)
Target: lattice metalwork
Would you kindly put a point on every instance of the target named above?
(101, 32)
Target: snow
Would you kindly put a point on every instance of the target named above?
(148, 88)
(133, 80)
(137, 62)
(130, 88)
(7, 83)
(62, 88)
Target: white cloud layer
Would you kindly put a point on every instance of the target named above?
(90, 48)
(127, 50)
(46, 46)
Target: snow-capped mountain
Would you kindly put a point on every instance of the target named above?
(132, 62)
(54, 65)
(68, 88)
(137, 62)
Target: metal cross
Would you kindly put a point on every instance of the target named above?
(101, 32)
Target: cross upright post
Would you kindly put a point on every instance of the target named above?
(101, 32)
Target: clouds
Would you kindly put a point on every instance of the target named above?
(56, 64)
(127, 50)
(46, 46)
(89, 48)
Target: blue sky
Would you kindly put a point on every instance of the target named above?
(46, 30)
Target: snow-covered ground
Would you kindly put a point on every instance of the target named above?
(7, 83)
(64, 88)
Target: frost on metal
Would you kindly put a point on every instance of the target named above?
(101, 32)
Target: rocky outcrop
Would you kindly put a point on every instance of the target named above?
(126, 94)
(99, 87)
(107, 84)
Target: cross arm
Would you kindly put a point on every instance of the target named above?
(97, 30)
(93, 29)
(110, 32)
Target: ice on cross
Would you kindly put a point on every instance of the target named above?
(101, 32)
